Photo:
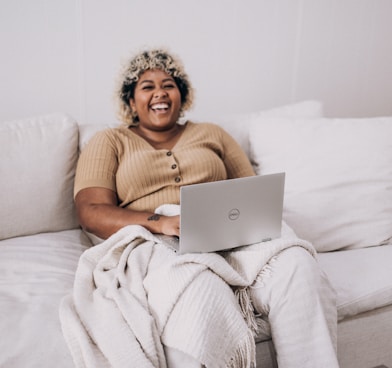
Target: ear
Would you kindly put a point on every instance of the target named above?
(132, 104)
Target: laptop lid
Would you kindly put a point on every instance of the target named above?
(230, 213)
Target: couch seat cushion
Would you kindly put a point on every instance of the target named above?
(362, 278)
(35, 273)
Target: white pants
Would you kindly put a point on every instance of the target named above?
(300, 305)
(301, 309)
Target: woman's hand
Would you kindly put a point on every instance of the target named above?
(99, 213)
(170, 225)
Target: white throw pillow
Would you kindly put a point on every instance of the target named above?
(338, 177)
(237, 125)
(37, 167)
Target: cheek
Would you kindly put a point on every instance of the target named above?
(138, 103)
(177, 99)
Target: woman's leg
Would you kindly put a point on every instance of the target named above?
(301, 308)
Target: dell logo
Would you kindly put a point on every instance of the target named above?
(234, 214)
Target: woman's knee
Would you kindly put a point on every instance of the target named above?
(291, 274)
(299, 275)
(297, 261)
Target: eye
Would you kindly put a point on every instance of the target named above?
(169, 86)
(147, 87)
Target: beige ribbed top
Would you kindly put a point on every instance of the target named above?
(144, 177)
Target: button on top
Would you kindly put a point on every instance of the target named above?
(169, 153)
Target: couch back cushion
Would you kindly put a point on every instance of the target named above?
(37, 168)
(237, 125)
(338, 177)
(87, 131)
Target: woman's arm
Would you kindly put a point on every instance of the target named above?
(99, 213)
(236, 162)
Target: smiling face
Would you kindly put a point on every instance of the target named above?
(157, 100)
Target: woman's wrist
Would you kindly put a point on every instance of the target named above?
(154, 223)
(154, 217)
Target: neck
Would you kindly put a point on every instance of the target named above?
(160, 138)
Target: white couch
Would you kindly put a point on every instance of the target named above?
(338, 195)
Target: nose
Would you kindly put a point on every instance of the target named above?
(160, 92)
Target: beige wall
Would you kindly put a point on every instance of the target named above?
(63, 55)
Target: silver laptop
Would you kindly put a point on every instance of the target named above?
(230, 213)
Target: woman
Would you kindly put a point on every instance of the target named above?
(125, 173)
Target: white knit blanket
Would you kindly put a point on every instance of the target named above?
(132, 294)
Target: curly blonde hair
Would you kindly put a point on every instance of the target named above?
(137, 65)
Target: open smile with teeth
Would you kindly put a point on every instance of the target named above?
(160, 107)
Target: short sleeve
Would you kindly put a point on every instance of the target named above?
(98, 163)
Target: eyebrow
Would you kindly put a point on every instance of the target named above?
(150, 81)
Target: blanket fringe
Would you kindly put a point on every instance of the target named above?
(247, 309)
(245, 356)
(254, 321)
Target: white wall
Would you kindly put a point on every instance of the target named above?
(242, 55)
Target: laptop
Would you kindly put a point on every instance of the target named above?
(230, 213)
